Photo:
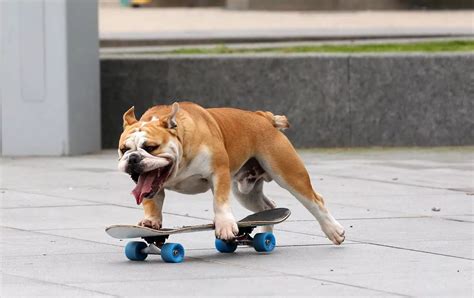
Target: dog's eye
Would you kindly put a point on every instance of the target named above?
(150, 148)
(123, 150)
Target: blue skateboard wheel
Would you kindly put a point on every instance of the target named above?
(133, 251)
(264, 242)
(172, 253)
(225, 246)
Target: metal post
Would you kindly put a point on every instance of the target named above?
(49, 74)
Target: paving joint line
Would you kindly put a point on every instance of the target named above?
(60, 236)
(366, 218)
(60, 284)
(187, 249)
(302, 233)
(100, 203)
(59, 254)
(65, 197)
(278, 246)
(384, 245)
(164, 279)
(413, 250)
(52, 206)
(392, 183)
(457, 220)
(394, 217)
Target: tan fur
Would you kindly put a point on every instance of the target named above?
(278, 121)
(233, 137)
(152, 211)
(129, 117)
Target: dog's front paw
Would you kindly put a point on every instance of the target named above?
(226, 227)
(154, 223)
(334, 231)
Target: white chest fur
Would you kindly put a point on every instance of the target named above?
(196, 176)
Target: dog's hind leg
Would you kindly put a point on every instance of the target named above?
(280, 160)
(255, 200)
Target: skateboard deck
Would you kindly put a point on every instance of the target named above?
(156, 240)
(263, 218)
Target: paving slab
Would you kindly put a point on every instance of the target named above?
(18, 200)
(52, 239)
(39, 288)
(415, 233)
(381, 269)
(16, 243)
(262, 285)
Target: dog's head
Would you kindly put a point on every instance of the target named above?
(149, 151)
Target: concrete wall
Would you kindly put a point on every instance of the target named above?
(331, 100)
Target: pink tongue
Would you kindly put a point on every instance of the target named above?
(144, 186)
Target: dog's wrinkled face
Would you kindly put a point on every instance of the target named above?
(149, 152)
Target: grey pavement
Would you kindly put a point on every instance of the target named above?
(54, 210)
(121, 26)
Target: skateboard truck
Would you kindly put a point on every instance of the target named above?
(173, 252)
(170, 252)
(154, 244)
(156, 240)
(151, 249)
(261, 242)
(155, 249)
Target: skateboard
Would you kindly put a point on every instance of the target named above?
(155, 240)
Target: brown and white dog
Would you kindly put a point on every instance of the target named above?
(189, 149)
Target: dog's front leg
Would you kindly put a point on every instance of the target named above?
(224, 221)
(153, 211)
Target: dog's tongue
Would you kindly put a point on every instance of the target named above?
(144, 185)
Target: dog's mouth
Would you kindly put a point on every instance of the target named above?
(151, 182)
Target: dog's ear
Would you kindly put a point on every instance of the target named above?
(129, 117)
(171, 118)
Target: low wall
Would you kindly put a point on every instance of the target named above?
(330, 100)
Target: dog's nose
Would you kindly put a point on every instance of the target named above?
(134, 159)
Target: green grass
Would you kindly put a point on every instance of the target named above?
(438, 46)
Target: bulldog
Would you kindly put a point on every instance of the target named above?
(189, 149)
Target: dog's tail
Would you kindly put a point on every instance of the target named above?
(278, 121)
